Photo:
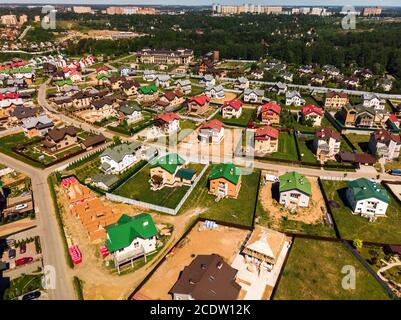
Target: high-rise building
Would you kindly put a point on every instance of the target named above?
(9, 20)
(81, 9)
(23, 19)
(372, 11)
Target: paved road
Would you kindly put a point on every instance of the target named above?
(23, 34)
(47, 229)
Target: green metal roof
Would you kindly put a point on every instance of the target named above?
(227, 171)
(294, 181)
(364, 189)
(185, 173)
(148, 89)
(126, 229)
(107, 179)
(169, 162)
(61, 83)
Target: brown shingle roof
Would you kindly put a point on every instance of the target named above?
(208, 277)
(57, 134)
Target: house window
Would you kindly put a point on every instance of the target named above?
(136, 244)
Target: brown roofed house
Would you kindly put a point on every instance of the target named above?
(60, 138)
(208, 277)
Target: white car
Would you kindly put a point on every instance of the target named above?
(21, 206)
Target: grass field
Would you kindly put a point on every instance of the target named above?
(242, 121)
(305, 146)
(313, 272)
(138, 188)
(359, 141)
(384, 230)
(286, 148)
(7, 143)
(238, 211)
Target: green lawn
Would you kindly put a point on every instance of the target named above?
(138, 188)
(23, 285)
(7, 143)
(383, 230)
(305, 146)
(286, 148)
(313, 272)
(238, 211)
(359, 141)
(242, 121)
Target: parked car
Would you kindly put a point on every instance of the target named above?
(22, 248)
(23, 261)
(21, 206)
(12, 254)
(31, 295)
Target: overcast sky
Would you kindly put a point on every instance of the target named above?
(209, 2)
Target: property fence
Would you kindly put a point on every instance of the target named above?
(155, 207)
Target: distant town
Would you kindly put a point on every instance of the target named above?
(225, 152)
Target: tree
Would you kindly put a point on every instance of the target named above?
(358, 244)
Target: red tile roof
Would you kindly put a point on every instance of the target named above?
(9, 95)
(384, 135)
(212, 124)
(268, 131)
(200, 100)
(101, 69)
(310, 108)
(327, 132)
(393, 117)
(270, 106)
(168, 117)
(235, 103)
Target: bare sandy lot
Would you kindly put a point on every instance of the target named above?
(224, 241)
(311, 215)
(227, 97)
(192, 146)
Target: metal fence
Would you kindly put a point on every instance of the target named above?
(155, 207)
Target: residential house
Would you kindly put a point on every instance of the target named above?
(231, 109)
(131, 237)
(385, 144)
(130, 87)
(367, 198)
(264, 247)
(215, 92)
(326, 144)
(37, 126)
(257, 74)
(58, 139)
(208, 277)
(266, 139)
(330, 70)
(241, 83)
(103, 109)
(373, 101)
(393, 121)
(172, 99)
(119, 158)
(129, 112)
(295, 190)
(384, 84)
(198, 105)
(104, 181)
(169, 171)
(336, 100)
(20, 113)
(312, 113)
(318, 79)
(253, 95)
(306, 69)
(149, 75)
(294, 98)
(184, 86)
(269, 113)
(207, 81)
(360, 116)
(225, 180)
(93, 141)
(163, 80)
(116, 82)
(351, 82)
(279, 88)
(148, 93)
(211, 131)
(166, 124)
(287, 76)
